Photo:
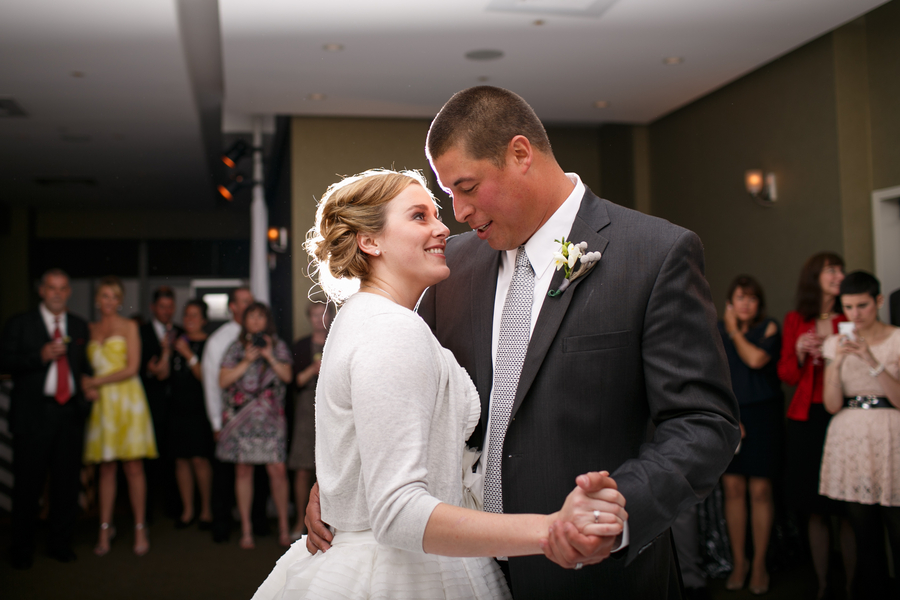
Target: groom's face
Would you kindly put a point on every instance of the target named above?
(486, 197)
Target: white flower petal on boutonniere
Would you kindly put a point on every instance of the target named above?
(576, 261)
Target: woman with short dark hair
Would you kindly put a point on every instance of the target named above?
(861, 459)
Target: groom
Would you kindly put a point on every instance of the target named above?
(622, 368)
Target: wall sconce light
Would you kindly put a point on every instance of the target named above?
(761, 186)
(278, 239)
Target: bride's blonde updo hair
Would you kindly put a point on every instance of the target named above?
(353, 205)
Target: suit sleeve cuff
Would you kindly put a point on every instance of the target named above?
(624, 539)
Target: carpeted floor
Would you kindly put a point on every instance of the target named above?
(186, 564)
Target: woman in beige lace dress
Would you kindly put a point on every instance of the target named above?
(861, 460)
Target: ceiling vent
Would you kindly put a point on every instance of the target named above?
(568, 8)
(11, 108)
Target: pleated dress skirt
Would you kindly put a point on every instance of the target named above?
(359, 568)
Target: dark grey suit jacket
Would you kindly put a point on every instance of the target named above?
(625, 371)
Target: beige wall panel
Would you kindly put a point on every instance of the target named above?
(883, 41)
(322, 151)
(854, 143)
(780, 118)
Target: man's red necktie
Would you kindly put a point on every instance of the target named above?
(62, 371)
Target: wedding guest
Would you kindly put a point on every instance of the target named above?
(45, 352)
(157, 336)
(119, 428)
(255, 371)
(815, 317)
(860, 461)
(394, 410)
(753, 345)
(190, 438)
(307, 354)
(211, 364)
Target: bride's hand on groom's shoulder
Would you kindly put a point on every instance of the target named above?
(590, 523)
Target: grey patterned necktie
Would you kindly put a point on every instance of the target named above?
(515, 331)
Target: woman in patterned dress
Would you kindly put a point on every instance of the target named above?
(255, 371)
(120, 427)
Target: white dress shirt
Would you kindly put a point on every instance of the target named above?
(158, 328)
(50, 324)
(539, 249)
(213, 353)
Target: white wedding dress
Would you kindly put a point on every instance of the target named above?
(387, 386)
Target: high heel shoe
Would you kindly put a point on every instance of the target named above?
(737, 579)
(141, 549)
(110, 530)
(246, 542)
(758, 588)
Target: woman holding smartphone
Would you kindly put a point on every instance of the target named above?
(861, 460)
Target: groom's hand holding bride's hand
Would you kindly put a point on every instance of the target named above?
(577, 537)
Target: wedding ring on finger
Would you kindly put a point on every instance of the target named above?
(596, 516)
(578, 566)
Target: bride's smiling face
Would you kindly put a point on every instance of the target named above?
(411, 245)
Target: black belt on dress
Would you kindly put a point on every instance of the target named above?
(867, 402)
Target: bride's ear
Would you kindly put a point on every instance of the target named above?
(367, 244)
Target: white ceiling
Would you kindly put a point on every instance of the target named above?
(151, 73)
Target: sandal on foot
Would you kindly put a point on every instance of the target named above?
(141, 549)
(99, 549)
(737, 579)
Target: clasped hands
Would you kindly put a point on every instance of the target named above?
(90, 388)
(590, 524)
(583, 532)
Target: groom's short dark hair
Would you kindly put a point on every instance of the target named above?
(481, 121)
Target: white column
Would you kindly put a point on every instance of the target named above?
(259, 223)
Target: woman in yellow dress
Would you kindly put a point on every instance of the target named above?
(119, 428)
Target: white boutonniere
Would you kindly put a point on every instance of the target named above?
(575, 260)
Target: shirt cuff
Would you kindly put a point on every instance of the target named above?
(625, 539)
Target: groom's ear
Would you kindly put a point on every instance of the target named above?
(367, 244)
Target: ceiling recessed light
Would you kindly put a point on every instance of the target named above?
(601, 104)
(484, 54)
(333, 47)
(316, 97)
(673, 60)
(78, 74)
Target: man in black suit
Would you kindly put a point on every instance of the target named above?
(624, 370)
(157, 343)
(45, 351)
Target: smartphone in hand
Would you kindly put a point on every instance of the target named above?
(847, 329)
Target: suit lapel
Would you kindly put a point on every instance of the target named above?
(592, 217)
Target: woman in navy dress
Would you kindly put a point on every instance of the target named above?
(753, 344)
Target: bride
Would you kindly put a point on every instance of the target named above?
(393, 412)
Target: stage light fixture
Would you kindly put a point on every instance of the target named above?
(232, 187)
(235, 152)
